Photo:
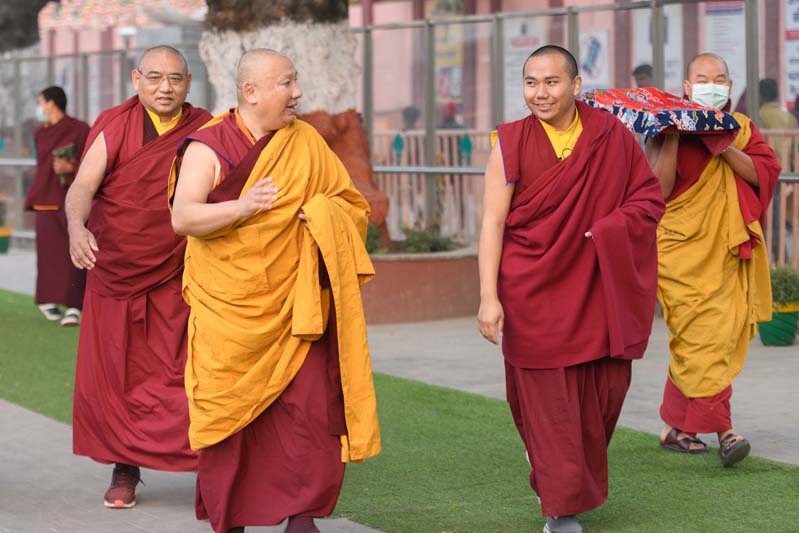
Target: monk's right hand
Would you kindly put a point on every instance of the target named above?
(82, 246)
(491, 319)
(260, 197)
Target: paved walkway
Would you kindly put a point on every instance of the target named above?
(43, 487)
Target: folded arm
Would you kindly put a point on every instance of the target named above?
(192, 215)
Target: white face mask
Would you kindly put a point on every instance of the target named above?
(41, 116)
(710, 94)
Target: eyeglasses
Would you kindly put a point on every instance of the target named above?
(155, 78)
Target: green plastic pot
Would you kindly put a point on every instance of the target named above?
(780, 330)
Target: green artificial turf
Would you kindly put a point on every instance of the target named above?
(453, 462)
(37, 358)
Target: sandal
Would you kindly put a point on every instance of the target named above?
(683, 445)
(732, 451)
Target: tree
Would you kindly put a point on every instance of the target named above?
(316, 35)
(19, 24)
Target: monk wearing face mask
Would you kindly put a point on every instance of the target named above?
(713, 277)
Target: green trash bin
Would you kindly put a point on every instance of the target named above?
(5, 239)
(780, 330)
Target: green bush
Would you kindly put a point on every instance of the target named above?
(3, 200)
(373, 240)
(784, 285)
(423, 241)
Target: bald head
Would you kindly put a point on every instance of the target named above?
(268, 93)
(707, 60)
(163, 49)
(256, 63)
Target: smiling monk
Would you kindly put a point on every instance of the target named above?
(568, 275)
(278, 377)
(130, 408)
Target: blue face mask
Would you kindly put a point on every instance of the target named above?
(41, 116)
(710, 94)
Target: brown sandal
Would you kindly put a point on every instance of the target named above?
(683, 445)
(732, 451)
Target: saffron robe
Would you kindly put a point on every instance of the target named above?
(130, 406)
(296, 439)
(714, 282)
(577, 309)
(271, 303)
(57, 279)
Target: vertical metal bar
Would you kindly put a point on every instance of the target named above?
(18, 107)
(84, 88)
(431, 203)
(498, 70)
(573, 27)
(752, 61)
(50, 71)
(123, 75)
(658, 45)
(368, 85)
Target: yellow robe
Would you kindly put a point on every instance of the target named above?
(256, 303)
(712, 299)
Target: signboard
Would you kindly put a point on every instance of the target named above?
(522, 37)
(725, 27)
(594, 60)
(642, 28)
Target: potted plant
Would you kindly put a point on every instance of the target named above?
(781, 329)
(5, 233)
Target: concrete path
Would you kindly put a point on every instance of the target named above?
(45, 488)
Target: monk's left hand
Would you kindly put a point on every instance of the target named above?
(589, 235)
(304, 219)
(62, 166)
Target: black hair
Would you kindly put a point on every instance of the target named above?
(571, 62)
(55, 94)
(768, 90)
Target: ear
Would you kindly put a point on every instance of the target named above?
(135, 77)
(188, 83)
(248, 92)
(578, 83)
(686, 88)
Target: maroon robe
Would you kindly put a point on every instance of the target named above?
(576, 309)
(130, 404)
(713, 414)
(286, 462)
(57, 279)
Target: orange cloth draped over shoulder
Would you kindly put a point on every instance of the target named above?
(713, 270)
(256, 301)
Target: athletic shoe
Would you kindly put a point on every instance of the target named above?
(563, 524)
(122, 492)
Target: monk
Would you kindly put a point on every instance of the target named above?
(278, 376)
(568, 273)
(59, 143)
(714, 282)
(130, 408)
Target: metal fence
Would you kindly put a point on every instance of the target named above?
(472, 64)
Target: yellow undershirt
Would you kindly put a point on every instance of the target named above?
(563, 141)
(164, 127)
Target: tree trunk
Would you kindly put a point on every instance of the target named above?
(19, 37)
(19, 23)
(315, 35)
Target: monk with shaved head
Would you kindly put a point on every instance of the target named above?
(567, 279)
(130, 408)
(713, 266)
(278, 375)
